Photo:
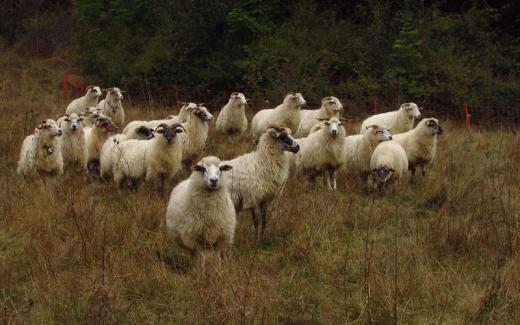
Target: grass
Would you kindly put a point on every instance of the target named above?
(441, 250)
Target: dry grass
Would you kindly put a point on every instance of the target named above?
(442, 250)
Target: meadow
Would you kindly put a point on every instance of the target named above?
(440, 249)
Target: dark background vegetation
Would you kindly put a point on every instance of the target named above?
(437, 53)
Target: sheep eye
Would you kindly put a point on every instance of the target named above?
(327, 123)
(160, 131)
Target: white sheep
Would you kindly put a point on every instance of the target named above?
(388, 162)
(286, 114)
(110, 151)
(330, 107)
(420, 144)
(196, 135)
(73, 145)
(112, 106)
(359, 149)
(89, 116)
(232, 117)
(41, 151)
(90, 99)
(396, 121)
(183, 113)
(95, 137)
(323, 151)
(156, 159)
(258, 176)
(200, 213)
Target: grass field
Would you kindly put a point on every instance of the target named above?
(444, 249)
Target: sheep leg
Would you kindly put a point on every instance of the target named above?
(333, 175)
(328, 177)
(263, 213)
(255, 221)
(161, 183)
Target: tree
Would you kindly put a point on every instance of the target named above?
(407, 66)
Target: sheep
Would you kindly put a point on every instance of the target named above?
(323, 151)
(89, 116)
(232, 117)
(41, 151)
(200, 213)
(73, 145)
(286, 114)
(197, 128)
(420, 144)
(388, 162)
(89, 100)
(330, 107)
(396, 121)
(95, 137)
(258, 176)
(183, 113)
(359, 149)
(156, 159)
(112, 106)
(110, 151)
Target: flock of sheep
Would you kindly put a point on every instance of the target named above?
(201, 213)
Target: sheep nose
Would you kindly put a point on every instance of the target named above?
(59, 132)
(334, 132)
(213, 180)
(390, 138)
(74, 126)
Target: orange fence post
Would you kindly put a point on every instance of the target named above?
(468, 115)
(376, 107)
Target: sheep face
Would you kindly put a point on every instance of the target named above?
(209, 171)
(73, 123)
(334, 126)
(93, 91)
(48, 129)
(412, 110)
(144, 133)
(106, 124)
(431, 125)
(332, 104)
(91, 114)
(202, 113)
(283, 139)
(169, 132)
(379, 133)
(296, 99)
(114, 95)
(382, 174)
(238, 98)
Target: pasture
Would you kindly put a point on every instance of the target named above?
(441, 249)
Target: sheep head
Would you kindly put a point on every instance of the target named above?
(282, 137)
(411, 110)
(201, 112)
(294, 100)
(238, 97)
(93, 91)
(334, 125)
(332, 104)
(431, 126)
(105, 123)
(382, 174)
(379, 133)
(211, 169)
(169, 132)
(48, 128)
(73, 122)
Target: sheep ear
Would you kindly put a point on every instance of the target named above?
(392, 170)
(322, 119)
(225, 168)
(198, 168)
(40, 125)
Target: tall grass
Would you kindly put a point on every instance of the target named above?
(443, 249)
